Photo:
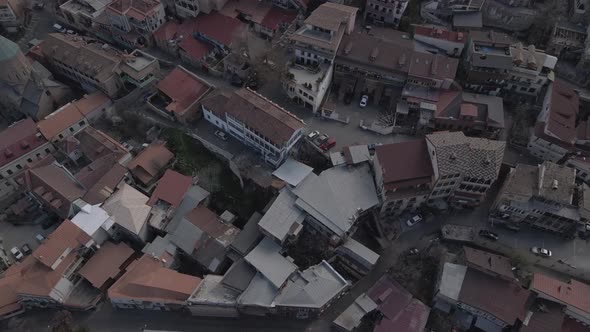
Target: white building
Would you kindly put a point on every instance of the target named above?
(255, 121)
(308, 86)
(531, 70)
(388, 12)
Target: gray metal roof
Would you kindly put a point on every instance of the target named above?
(452, 280)
(351, 317)
(368, 256)
(186, 236)
(249, 236)
(8, 48)
(283, 217)
(468, 20)
(266, 258)
(495, 107)
(312, 288)
(192, 198)
(292, 172)
(358, 153)
(334, 196)
(239, 275)
(159, 246)
(261, 292)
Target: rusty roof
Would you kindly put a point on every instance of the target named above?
(146, 279)
(262, 115)
(560, 122)
(148, 163)
(19, 139)
(183, 88)
(171, 188)
(60, 120)
(106, 263)
(572, 293)
(405, 161)
(510, 299)
(65, 238)
(491, 262)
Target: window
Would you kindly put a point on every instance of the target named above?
(9, 172)
(71, 129)
(18, 166)
(60, 136)
(47, 151)
(29, 160)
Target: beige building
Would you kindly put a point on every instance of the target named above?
(139, 68)
(133, 22)
(81, 14)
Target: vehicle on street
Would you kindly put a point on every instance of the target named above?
(328, 144)
(541, 251)
(413, 251)
(372, 146)
(26, 249)
(40, 238)
(17, 254)
(220, 134)
(313, 135)
(71, 32)
(487, 234)
(414, 220)
(59, 28)
(364, 101)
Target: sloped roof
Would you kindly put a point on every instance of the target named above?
(146, 165)
(488, 261)
(334, 197)
(171, 188)
(183, 88)
(106, 263)
(559, 121)
(292, 171)
(60, 120)
(572, 293)
(18, 139)
(127, 207)
(266, 258)
(261, 114)
(146, 279)
(404, 161)
(283, 218)
(62, 241)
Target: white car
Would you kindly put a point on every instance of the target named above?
(364, 101)
(59, 28)
(17, 254)
(313, 135)
(414, 220)
(541, 251)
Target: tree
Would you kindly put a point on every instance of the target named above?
(548, 13)
(63, 322)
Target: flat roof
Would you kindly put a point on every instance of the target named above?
(292, 171)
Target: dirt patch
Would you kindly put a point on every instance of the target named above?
(418, 273)
(310, 249)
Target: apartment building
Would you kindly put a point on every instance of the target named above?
(465, 167)
(403, 184)
(12, 14)
(439, 40)
(387, 12)
(555, 134)
(543, 196)
(20, 145)
(133, 22)
(256, 122)
(316, 44)
(81, 14)
(85, 61)
(488, 59)
(531, 70)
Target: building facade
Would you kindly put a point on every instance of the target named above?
(133, 22)
(385, 12)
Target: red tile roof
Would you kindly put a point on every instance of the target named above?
(405, 163)
(60, 120)
(571, 325)
(438, 33)
(19, 139)
(207, 221)
(91, 102)
(259, 113)
(574, 293)
(546, 316)
(67, 237)
(509, 299)
(435, 66)
(171, 188)
(561, 120)
(106, 263)
(104, 187)
(194, 48)
(468, 110)
(148, 163)
(276, 16)
(412, 318)
(183, 88)
(146, 279)
(39, 280)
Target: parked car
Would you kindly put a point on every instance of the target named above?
(26, 249)
(237, 81)
(59, 28)
(487, 234)
(413, 251)
(313, 135)
(17, 254)
(364, 101)
(541, 251)
(71, 32)
(319, 140)
(221, 135)
(328, 144)
(40, 238)
(414, 220)
(372, 146)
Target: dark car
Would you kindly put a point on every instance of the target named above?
(237, 81)
(25, 249)
(487, 234)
